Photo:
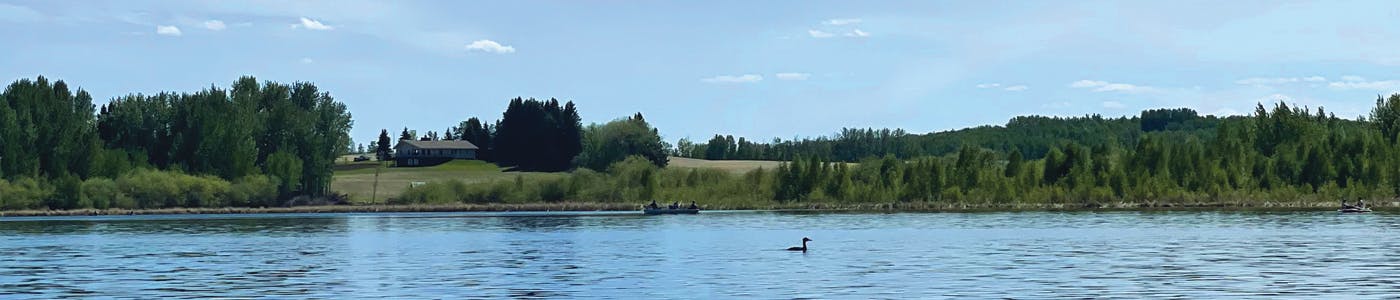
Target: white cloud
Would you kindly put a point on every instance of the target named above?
(746, 78)
(1011, 88)
(839, 22)
(1279, 80)
(307, 60)
(214, 25)
(1123, 87)
(312, 24)
(490, 46)
(819, 34)
(1383, 85)
(792, 76)
(1104, 86)
(1353, 78)
(1113, 104)
(168, 30)
(857, 33)
(1087, 84)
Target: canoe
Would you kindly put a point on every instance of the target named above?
(1354, 210)
(668, 211)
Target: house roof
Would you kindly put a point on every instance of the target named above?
(449, 144)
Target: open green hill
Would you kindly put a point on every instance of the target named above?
(358, 179)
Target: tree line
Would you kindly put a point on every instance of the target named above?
(1278, 154)
(55, 144)
(1032, 136)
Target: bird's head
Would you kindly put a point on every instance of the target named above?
(805, 239)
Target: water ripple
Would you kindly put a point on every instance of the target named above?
(1120, 255)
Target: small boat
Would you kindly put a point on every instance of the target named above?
(1350, 210)
(670, 211)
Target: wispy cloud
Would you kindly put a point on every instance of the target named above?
(168, 30)
(839, 22)
(1010, 88)
(312, 24)
(307, 60)
(792, 76)
(214, 25)
(1104, 86)
(831, 31)
(490, 47)
(746, 78)
(1113, 105)
(1379, 85)
(1348, 82)
(1279, 80)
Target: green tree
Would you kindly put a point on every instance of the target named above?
(612, 142)
(382, 150)
(1013, 164)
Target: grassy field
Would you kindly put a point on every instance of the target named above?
(357, 178)
(733, 166)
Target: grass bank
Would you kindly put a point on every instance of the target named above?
(731, 166)
(806, 206)
(563, 206)
(357, 179)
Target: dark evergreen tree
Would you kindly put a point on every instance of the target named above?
(382, 149)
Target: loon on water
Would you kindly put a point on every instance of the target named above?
(804, 245)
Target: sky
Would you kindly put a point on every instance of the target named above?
(757, 69)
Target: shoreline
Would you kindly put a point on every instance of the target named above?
(797, 207)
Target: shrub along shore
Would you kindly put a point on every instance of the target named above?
(634, 207)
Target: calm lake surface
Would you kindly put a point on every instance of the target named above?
(712, 255)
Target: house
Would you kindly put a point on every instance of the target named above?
(410, 153)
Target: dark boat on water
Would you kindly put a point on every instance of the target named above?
(673, 209)
(670, 211)
(1360, 207)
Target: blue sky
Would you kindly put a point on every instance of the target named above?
(759, 69)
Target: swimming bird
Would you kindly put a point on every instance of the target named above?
(804, 245)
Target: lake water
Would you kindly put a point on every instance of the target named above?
(711, 255)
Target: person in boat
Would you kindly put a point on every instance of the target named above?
(1345, 205)
(653, 204)
(692, 205)
(1360, 204)
(675, 205)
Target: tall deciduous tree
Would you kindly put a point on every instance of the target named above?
(612, 142)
